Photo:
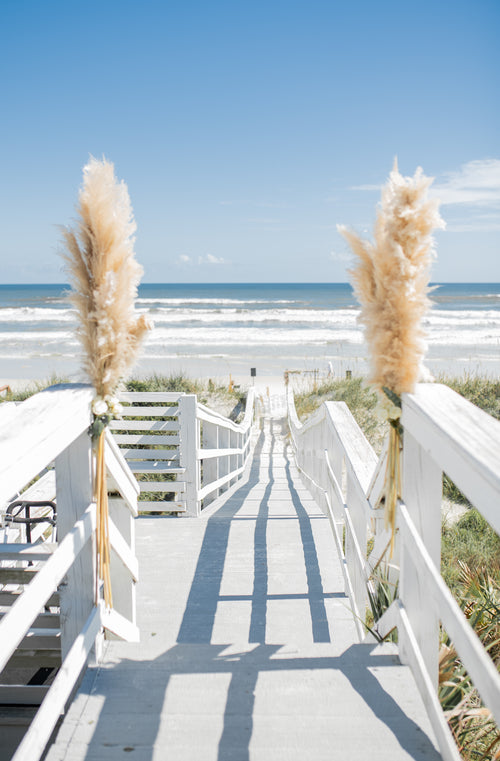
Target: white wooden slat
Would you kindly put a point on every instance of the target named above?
(150, 454)
(42, 427)
(19, 618)
(145, 425)
(123, 551)
(204, 413)
(150, 396)
(124, 571)
(479, 665)
(34, 741)
(43, 621)
(9, 598)
(40, 639)
(357, 449)
(150, 466)
(209, 488)
(32, 552)
(12, 575)
(120, 626)
(138, 412)
(162, 486)
(23, 694)
(414, 659)
(462, 439)
(161, 506)
(160, 439)
(119, 470)
(43, 489)
(207, 454)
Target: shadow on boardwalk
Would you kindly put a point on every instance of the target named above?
(144, 713)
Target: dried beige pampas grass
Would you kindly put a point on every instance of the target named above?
(391, 278)
(104, 276)
(391, 282)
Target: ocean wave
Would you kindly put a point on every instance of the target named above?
(249, 316)
(47, 336)
(178, 302)
(36, 314)
(248, 335)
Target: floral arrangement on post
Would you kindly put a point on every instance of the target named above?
(391, 282)
(104, 276)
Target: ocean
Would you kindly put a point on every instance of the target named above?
(221, 329)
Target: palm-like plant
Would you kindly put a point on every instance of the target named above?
(472, 724)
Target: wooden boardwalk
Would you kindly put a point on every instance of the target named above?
(248, 647)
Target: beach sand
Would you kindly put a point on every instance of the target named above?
(269, 371)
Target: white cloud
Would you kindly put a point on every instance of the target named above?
(476, 183)
(210, 259)
(184, 259)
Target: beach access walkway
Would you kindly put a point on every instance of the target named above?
(248, 645)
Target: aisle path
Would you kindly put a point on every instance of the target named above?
(247, 649)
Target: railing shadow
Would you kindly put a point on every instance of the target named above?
(143, 690)
(116, 730)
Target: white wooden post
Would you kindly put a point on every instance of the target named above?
(189, 445)
(422, 493)
(211, 465)
(74, 494)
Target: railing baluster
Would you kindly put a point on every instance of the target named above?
(74, 493)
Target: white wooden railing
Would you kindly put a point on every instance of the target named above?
(52, 427)
(219, 452)
(442, 433)
(196, 453)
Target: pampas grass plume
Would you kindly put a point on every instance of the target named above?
(104, 276)
(390, 280)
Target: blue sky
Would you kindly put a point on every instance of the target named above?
(246, 131)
